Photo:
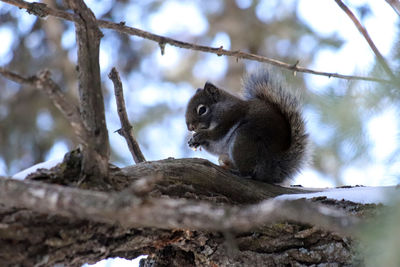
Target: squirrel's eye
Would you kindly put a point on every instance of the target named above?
(202, 109)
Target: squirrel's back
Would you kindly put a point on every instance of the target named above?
(260, 85)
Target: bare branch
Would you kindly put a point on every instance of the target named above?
(161, 40)
(44, 82)
(208, 180)
(364, 33)
(395, 4)
(40, 9)
(121, 27)
(126, 128)
(17, 78)
(130, 211)
(88, 35)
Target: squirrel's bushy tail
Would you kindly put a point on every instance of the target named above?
(260, 85)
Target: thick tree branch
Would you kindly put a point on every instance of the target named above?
(161, 40)
(130, 211)
(44, 82)
(201, 179)
(88, 35)
(126, 128)
(30, 238)
(365, 34)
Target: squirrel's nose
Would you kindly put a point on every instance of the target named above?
(190, 127)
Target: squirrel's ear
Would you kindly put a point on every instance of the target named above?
(212, 90)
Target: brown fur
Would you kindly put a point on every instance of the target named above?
(262, 136)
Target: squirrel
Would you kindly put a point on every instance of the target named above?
(262, 135)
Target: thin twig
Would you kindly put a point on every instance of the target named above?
(219, 51)
(364, 33)
(168, 213)
(161, 40)
(395, 4)
(126, 128)
(44, 82)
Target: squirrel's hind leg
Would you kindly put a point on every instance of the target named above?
(252, 158)
(225, 162)
(244, 154)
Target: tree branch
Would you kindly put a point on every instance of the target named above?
(365, 34)
(121, 27)
(44, 82)
(201, 179)
(395, 4)
(130, 211)
(126, 128)
(161, 40)
(46, 239)
(88, 35)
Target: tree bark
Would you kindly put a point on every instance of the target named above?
(29, 238)
(97, 152)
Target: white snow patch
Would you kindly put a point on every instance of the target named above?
(363, 195)
(53, 199)
(43, 165)
(111, 262)
(38, 193)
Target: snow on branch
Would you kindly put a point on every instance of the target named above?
(166, 213)
(42, 10)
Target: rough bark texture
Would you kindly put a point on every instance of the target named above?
(31, 239)
(88, 35)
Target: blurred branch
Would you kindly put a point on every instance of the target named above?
(364, 33)
(126, 127)
(40, 9)
(44, 82)
(161, 40)
(88, 35)
(395, 4)
(130, 211)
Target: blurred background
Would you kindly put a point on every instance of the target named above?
(354, 126)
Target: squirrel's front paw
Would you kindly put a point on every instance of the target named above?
(196, 140)
(192, 143)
